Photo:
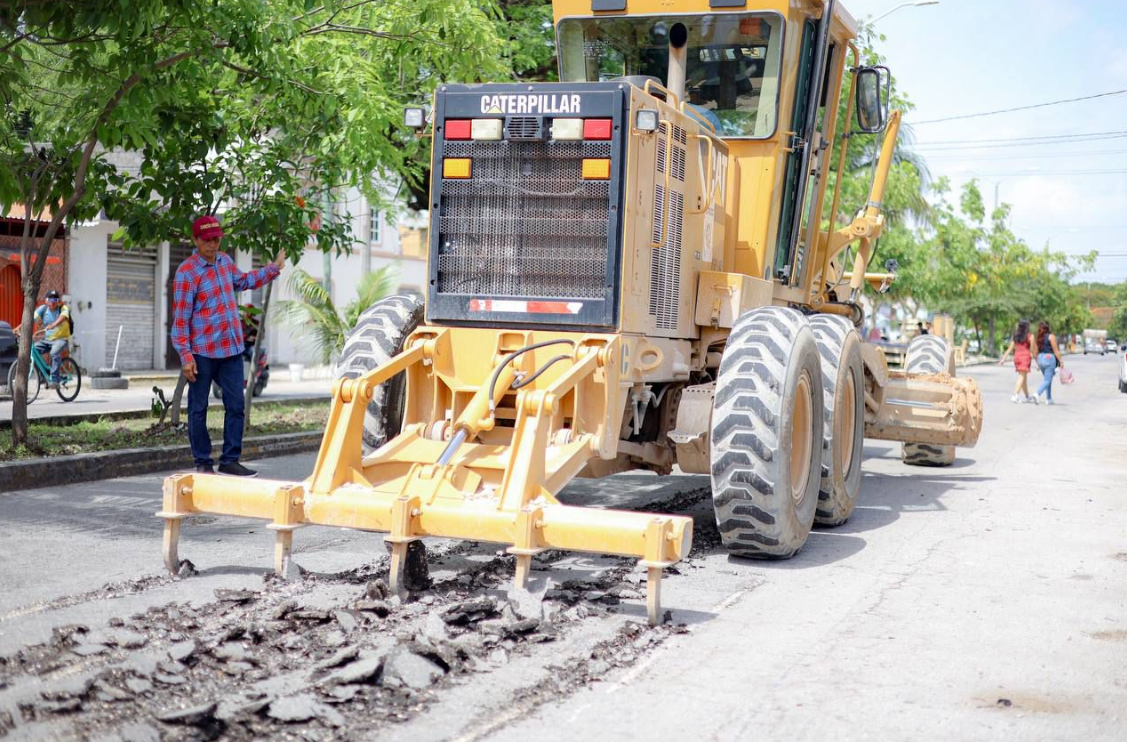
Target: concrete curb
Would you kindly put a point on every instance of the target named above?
(140, 413)
(57, 471)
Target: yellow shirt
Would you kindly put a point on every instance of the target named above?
(44, 316)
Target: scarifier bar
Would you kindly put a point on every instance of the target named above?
(494, 492)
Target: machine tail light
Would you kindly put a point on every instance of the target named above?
(457, 167)
(458, 129)
(597, 129)
(596, 168)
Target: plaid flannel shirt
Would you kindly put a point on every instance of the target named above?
(205, 318)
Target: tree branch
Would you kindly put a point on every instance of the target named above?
(255, 73)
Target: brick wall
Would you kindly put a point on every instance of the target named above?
(54, 275)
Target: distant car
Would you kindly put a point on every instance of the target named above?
(1094, 345)
(1110, 345)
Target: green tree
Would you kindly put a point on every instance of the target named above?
(241, 103)
(315, 317)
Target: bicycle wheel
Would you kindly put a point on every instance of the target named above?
(70, 379)
(33, 383)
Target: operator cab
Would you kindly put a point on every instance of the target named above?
(731, 71)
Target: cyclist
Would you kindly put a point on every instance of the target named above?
(54, 319)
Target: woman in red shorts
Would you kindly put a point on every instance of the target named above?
(1021, 345)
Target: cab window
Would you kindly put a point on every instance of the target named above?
(732, 76)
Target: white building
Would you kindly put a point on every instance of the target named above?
(129, 292)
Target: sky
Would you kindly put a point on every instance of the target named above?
(972, 56)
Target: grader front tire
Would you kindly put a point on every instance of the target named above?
(928, 354)
(378, 336)
(766, 430)
(843, 434)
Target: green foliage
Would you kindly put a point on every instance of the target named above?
(157, 111)
(314, 318)
(527, 25)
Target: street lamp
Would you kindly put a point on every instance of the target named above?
(895, 8)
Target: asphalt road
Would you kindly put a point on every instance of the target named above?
(978, 602)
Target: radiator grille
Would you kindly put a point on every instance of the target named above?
(665, 261)
(665, 269)
(526, 224)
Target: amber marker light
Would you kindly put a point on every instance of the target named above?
(596, 169)
(457, 167)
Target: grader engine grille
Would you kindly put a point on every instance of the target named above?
(526, 205)
(526, 224)
(665, 261)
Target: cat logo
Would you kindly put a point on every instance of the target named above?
(531, 103)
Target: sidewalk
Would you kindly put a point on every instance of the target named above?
(139, 396)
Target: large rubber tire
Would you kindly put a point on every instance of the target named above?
(379, 336)
(843, 431)
(766, 426)
(928, 354)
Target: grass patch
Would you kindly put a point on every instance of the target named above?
(113, 435)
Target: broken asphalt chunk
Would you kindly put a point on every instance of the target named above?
(363, 670)
(193, 716)
(470, 611)
(404, 668)
(181, 651)
(225, 595)
(303, 707)
(379, 607)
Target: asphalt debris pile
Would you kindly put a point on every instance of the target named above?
(312, 657)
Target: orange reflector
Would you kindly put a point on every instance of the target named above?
(596, 169)
(456, 167)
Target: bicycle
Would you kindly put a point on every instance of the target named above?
(70, 375)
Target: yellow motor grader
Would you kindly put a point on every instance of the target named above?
(632, 268)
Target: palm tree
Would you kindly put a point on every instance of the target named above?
(314, 318)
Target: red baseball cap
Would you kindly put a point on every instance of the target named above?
(207, 228)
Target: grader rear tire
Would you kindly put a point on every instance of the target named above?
(844, 427)
(378, 336)
(766, 428)
(928, 354)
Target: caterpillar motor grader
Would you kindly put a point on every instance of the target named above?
(632, 268)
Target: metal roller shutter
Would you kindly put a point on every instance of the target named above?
(130, 305)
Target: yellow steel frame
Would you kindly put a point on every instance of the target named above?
(499, 488)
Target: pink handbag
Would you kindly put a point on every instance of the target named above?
(1066, 376)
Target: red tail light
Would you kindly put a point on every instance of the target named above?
(596, 128)
(458, 129)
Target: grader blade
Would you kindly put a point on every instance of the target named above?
(479, 481)
(935, 409)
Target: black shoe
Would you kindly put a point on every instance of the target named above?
(204, 469)
(235, 469)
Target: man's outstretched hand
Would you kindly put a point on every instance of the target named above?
(280, 261)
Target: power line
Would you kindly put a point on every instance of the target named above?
(1044, 173)
(1020, 108)
(987, 140)
(1090, 153)
(1002, 144)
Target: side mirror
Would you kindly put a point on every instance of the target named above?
(873, 88)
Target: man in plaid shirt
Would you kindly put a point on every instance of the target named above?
(208, 335)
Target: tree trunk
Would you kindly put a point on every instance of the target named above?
(177, 397)
(977, 335)
(991, 331)
(248, 395)
(23, 366)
